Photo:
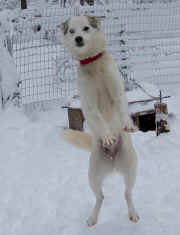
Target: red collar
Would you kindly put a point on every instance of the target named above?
(91, 59)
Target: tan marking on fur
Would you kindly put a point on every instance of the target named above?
(64, 27)
(78, 138)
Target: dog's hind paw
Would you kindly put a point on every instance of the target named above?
(91, 221)
(134, 217)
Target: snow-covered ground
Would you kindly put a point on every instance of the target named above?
(44, 186)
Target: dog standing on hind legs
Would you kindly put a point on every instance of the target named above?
(105, 107)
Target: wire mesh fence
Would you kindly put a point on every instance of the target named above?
(41, 61)
(144, 38)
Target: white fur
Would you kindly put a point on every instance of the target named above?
(105, 107)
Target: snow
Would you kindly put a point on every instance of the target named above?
(44, 185)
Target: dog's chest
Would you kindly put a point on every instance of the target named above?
(103, 98)
(94, 87)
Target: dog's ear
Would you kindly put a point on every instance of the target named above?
(64, 27)
(94, 21)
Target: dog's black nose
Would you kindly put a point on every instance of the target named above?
(79, 39)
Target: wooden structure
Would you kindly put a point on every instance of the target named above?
(144, 120)
(161, 112)
(151, 117)
(76, 118)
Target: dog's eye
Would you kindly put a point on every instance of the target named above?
(72, 31)
(86, 28)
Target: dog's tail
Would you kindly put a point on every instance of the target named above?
(78, 138)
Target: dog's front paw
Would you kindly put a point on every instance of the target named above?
(109, 146)
(91, 221)
(108, 141)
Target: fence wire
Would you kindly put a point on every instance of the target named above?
(144, 38)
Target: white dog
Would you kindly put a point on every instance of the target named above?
(105, 107)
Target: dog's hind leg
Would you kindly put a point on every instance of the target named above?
(99, 167)
(129, 178)
(96, 187)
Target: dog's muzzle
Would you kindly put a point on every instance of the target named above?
(79, 41)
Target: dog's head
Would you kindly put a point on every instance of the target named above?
(83, 36)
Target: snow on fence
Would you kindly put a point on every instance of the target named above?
(144, 38)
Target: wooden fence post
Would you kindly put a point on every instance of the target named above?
(23, 4)
(161, 116)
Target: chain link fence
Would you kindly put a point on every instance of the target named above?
(144, 38)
